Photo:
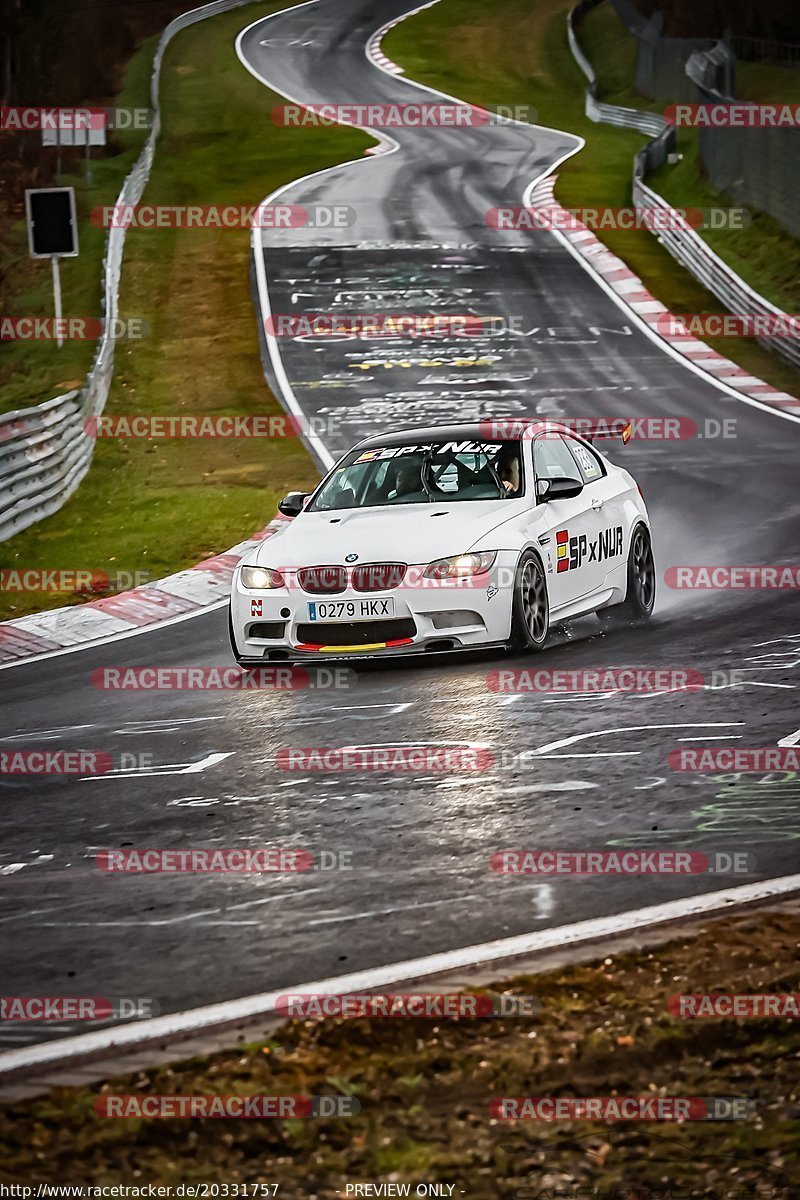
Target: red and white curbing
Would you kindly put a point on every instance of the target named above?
(375, 52)
(176, 596)
(377, 56)
(629, 288)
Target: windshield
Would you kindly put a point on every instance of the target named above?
(423, 474)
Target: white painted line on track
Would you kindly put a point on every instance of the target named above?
(184, 1024)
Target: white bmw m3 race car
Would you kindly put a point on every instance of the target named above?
(448, 538)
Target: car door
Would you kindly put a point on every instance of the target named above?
(606, 491)
(570, 525)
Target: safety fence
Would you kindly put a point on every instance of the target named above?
(660, 71)
(684, 243)
(751, 164)
(756, 166)
(763, 50)
(45, 451)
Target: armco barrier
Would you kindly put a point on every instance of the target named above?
(596, 110)
(45, 451)
(685, 245)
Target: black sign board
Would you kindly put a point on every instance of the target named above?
(52, 229)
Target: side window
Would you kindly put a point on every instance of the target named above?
(552, 459)
(591, 464)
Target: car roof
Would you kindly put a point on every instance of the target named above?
(505, 429)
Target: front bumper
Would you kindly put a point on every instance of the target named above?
(277, 624)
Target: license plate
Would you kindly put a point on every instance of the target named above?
(350, 610)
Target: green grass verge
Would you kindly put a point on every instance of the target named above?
(424, 1087)
(767, 82)
(464, 48)
(160, 505)
(34, 371)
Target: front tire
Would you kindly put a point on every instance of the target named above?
(640, 599)
(530, 613)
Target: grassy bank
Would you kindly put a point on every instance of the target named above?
(424, 1087)
(34, 371)
(464, 47)
(159, 505)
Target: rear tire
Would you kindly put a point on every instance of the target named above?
(637, 607)
(530, 613)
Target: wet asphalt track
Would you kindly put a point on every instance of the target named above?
(419, 848)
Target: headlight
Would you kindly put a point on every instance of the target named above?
(461, 566)
(260, 578)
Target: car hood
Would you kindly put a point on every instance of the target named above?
(413, 533)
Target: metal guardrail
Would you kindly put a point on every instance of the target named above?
(713, 70)
(693, 252)
(45, 451)
(684, 243)
(597, 110)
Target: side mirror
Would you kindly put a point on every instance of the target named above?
(293, 504)
(558, 489)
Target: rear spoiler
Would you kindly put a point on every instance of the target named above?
(607, 429)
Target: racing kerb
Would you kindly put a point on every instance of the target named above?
(45, 451)
(684, 243)
(184, 594)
